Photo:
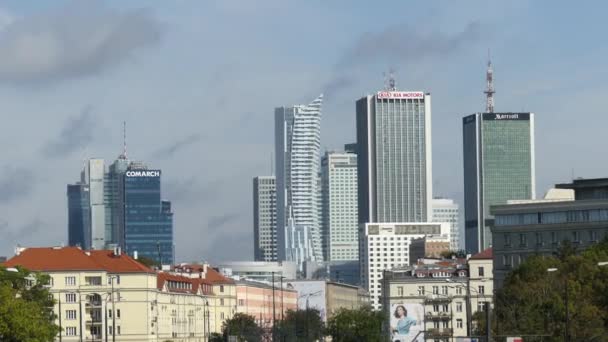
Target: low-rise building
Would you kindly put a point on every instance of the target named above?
(436, 298)
(259, 270)
(328, 296)
(522, 229)
(101, 294)
(264, 302)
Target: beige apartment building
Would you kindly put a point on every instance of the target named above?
(440, 295)
(106, 295)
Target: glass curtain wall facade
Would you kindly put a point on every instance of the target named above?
(394, 157)
(297, 150)
(148, 221)
(498, 153)
(79, 224)
(114, 200)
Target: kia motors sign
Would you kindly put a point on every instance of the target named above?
(400, 95)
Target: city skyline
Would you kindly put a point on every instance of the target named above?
(189, 123)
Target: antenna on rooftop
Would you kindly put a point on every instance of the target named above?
(124, 141)
(489, 86)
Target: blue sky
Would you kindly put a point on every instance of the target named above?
(197, 82)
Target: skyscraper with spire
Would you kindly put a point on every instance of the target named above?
(498, 155)
(298, 154)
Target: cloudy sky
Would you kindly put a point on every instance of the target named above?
(197, 82)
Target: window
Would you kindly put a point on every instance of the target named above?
(507, 238)
(459, 290)
(435, 289)
(118, 314)
(70, 331)
(522, 240)
(400, 291)
(421, 290)
(445, 324)
(481, 289)
(110, 313)
(481, 306)
(222, 316)
(110, 331)
(92, 281)
(575, 237)
(118, 330)
(70, 281)
(446, 308)
(221, 301)
(222, 289)
(592, 236)
(70, 298)
(459, 307)
(241, 302)
(435, 307)
(539, 238)
(554, 238)
(70, 314)
(444, 290)
(459, 323)
(480, 271)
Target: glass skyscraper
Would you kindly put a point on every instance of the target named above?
(148, 220)
(265, 218)
(394, 157)
(498, 154)
(297, 147)
(79, 220)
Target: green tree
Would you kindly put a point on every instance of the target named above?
(243, 327)
(299, 326)
(449, 254)
(355, 325)
(215, 337)
(26, 308)
(532, 300)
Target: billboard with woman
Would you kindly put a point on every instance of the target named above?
(407, 321)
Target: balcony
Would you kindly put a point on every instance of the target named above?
(437, 300)
(438, 316)
(438, 333)
(93, 304)
(94, 321)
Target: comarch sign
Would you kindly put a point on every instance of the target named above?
(143, 173)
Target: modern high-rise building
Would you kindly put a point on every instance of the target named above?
(79, 216)
(446, 210)
(394, 157)
(114, 200)
(340, 219)
(148, 220)
(498, 153)
(86, 222)
(297, 150)
(265, 218)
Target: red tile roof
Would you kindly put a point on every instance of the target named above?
(163, 278)
(75, 259)
(212, 275)
(485, 254)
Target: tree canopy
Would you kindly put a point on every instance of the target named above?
(299, 326)
(353, 325)
(532, 300)
(243, 327)
(26, 308)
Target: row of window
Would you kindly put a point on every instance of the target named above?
(571, 216)
(576, 236)
(91, 281)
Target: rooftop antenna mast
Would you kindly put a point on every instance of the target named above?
(124, 141)
(489, 86)
(389, 80)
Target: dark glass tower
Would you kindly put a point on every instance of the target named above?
(498, 154)
(148, 221)
(79, 222)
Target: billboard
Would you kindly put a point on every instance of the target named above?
(401, 95)
(407, 321)
(506, 116)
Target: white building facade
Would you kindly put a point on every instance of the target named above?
(340, 215)
(446, 210)
(394, 157)
(265, 218)
(297, 150)
(93, 175)
(383, 246)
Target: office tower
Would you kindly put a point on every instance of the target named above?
(297, 150)
(148, 220)
(340, 219)
(446, 210)
(352, 148)
(394, 157)
(114, 200)
(384, 246)
(265, 218)
(91, 182)
(498, 154)
(79, 219)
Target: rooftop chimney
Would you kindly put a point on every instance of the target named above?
(135, 255)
